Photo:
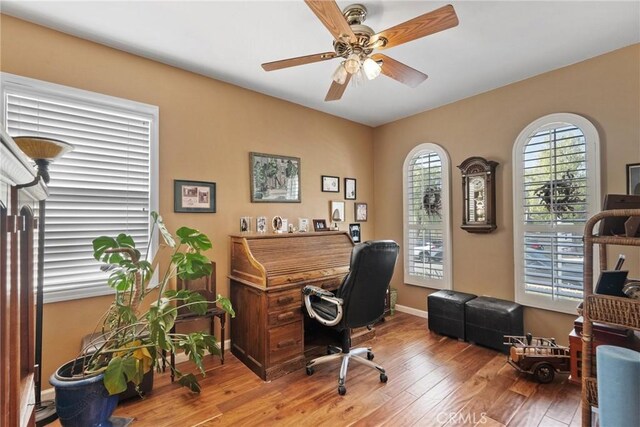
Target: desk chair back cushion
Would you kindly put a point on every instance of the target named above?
(364, 289)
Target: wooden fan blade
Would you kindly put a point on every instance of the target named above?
(420, 26)
(399, 71)
(300, 60)
(336, 90)
(331, 16)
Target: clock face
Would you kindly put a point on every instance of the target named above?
(476, 209)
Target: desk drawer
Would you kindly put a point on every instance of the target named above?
(280, 300)
(292, 314)
(285, 342)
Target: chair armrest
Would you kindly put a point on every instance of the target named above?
(316, 290)
(309, 291)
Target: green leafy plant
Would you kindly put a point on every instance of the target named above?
(132, 339)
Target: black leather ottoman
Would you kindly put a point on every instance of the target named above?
(488, 320)
(446, 312)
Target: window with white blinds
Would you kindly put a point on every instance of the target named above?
(105, 186)
(427, 241)
(556, 189)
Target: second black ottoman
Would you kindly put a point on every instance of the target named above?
(488, 320)
(446, 312)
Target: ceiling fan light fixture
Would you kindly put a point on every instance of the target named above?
(371, 68)
(352, 64)
(340, 74)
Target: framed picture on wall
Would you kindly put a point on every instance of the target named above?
(633, 178)
(330, 184)
(274, 179)
(354, 231)
(350, 188)
(360, 211)
(194, 196)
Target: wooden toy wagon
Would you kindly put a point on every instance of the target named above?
(540, 357)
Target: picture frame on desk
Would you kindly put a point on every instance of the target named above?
(320, 225)
(354, 232)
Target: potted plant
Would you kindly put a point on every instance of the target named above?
(132, 338)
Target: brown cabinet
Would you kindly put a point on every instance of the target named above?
(268, 272)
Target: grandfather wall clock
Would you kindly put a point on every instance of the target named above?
(478, 195)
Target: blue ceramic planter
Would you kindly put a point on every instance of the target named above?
(82, 402)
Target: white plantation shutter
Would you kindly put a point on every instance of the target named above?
(556, 189)
(102, 187)
(427, 241)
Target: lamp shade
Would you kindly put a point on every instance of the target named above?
(340, 75)
(336, 215)
(352, 64)
(39, 148)
(371, 68)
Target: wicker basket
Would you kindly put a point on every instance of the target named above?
(615, 310)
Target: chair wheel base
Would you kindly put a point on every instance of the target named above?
(342, 390)
(383, 378)
(310, 371)
(370, 355)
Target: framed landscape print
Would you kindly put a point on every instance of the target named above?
(350, 188)
(194, 196)
(360, 210)
(274, 179)
(330, 184)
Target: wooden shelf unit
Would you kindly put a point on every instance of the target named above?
(606, 309)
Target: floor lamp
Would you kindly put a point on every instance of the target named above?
(42, 151)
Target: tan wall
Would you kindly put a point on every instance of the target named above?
(605, 89)
(207, 129)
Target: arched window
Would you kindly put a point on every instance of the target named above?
(556, 188)
(427, 217)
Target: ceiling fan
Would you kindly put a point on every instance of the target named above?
(355, 43)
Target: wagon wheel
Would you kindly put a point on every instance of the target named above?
(544, 373)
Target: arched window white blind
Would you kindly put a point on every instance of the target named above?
(102, 187)
(427, 246)
(556, 189)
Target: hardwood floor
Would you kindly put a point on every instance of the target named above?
(433, 381)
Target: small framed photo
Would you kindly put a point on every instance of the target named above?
(194, 196)
(261, 224)
(633, 178)
(354, 231)
(337, 211)
(303, 224)
(330, 184)
(350, 188)
(360, 210)
(245, 224)
(320, 225)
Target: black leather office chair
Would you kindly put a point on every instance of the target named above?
(359, 301)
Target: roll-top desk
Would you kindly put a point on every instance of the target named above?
(267, 274)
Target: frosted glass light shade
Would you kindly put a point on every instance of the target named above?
(352, 64)
(371, 68)
(340, 75)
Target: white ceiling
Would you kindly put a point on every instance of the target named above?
(496, 43)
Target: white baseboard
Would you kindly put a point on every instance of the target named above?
(50, 393)
(411, 310)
